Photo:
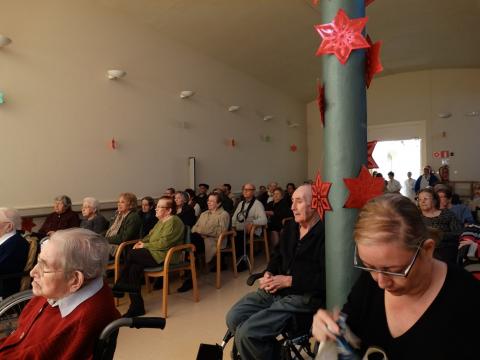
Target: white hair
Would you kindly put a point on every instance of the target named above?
(92, 202)
(11, 216)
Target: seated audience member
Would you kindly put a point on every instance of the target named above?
(393, 186)
(249, 212)
(71, 303)
(405, 302)
(147, 215)
(184, 211)
(227, 191)
(169, 192)
(428, 179)
(202, 196)
(276, 211)
(13, 251)
(262, 195)
(289, 190)
(192, 201)
(126, 224)
(227, 203)
(92, 219)
(462, 212)
(271, 188)
(150, 251)
(474, 203)
(206, 231)
(293, 283)
(61, 218)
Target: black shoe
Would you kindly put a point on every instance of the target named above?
(134, 313)
(187, 285)
(158, 284)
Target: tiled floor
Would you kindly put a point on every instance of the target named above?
(188, 323)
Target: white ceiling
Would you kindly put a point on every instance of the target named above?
(274, 40)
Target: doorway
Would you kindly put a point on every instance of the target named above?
(399, 156)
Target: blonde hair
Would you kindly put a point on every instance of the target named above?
(390, 218)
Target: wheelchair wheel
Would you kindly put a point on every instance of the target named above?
(234, 353)
(10, 310)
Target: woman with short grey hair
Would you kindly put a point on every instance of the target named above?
(61, 218)
(92, 219)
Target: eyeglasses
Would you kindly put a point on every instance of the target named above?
(163, 207)
(245, 189)
(357, 262)
(40, 266)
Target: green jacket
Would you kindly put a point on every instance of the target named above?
(129, 230)
(164, 236)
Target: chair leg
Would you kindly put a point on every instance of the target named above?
(252, 261)
(234, 258)
(194, 277)
(267, 250)
(218, 269)
(165, 295)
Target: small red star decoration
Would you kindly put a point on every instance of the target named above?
(293, 148)
(363, 188)
(368, 2)
(28, 224)
(371, 164)
(342, 36)
(113, 144)
(315, 2)
(321, 101)
(320, 192)
(373, 64)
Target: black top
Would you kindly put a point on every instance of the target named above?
(281, 210)
(303, 259)
(444, 331)
(13, 257)
(98, 224)
(187, 215)
(149, 220)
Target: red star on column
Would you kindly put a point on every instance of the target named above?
(373, 64)
(27, 224)
(320, 192)
(363, 188)
(371, 164)
(368, 2)
(315, 2)
(321, 101)
(293, 148)
(342, 36)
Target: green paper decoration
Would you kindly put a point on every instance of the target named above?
(2, 98)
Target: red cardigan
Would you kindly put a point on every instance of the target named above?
(42, 333)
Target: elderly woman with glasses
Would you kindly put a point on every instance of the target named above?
(92, 219)
(405, 302)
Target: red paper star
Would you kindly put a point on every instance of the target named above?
(371, 164)
(315, 2)
(320, 192)
(28, 224)
(321, 101)
(293, 148)
(363, 188)
(342, 36)
(368, 2)
(373, 64)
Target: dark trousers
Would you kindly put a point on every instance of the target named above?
(137, 260)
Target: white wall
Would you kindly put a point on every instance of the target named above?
(408, 104)
(61, 111)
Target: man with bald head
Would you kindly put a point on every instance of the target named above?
(293, 283)
(249, 212)
(13, 251)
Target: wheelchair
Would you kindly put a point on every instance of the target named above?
(11, 307)
(294, 340)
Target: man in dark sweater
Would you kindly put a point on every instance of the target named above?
(293, 283)
(13, 252)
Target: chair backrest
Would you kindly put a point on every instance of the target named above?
(31, 260)
(188, 233)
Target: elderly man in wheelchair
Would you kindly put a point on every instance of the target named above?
(292, 285)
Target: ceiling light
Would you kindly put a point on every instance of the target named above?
(234, 108)
(4, 41)
(185, 94)
(115, 74)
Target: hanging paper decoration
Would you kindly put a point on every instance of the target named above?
(2, 98)
(368, 2)
(372, 63)
(342, 36)
(315, 2)
(293, 148)
(231, 143)
(27, 224)
(371, 164)
(321, 101)
(320, 192)
(113, 144)
(363, 188)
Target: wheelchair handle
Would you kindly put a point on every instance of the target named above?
(148, 322)
(254, 277)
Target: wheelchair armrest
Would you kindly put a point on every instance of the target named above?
(254, 277)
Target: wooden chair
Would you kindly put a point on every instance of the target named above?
(116, 263)
(262, 238)
(230, 236)
(31, 261)
(166, 268)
